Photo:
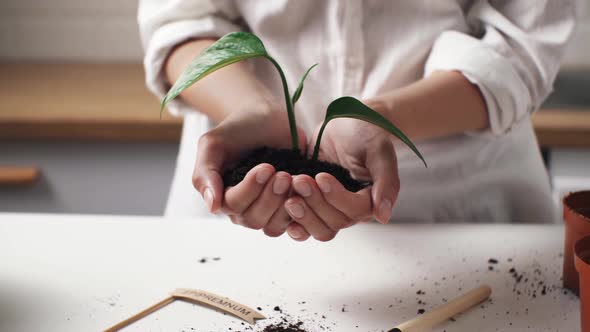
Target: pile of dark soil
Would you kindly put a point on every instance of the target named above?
(282, 321)
(285, 327)
(291, 162)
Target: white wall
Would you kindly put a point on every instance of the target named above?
(106, 30)
(78, 30)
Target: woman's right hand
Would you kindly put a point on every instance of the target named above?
(257, 201)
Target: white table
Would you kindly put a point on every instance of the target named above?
(85, 273)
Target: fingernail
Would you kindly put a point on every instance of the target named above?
(280, 185)
(295, 234)
(302, 188)
(208, 197)
(263, 175)
(324, 186)
(295, 210)
(385, 207)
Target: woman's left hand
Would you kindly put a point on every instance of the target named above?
(322, 205)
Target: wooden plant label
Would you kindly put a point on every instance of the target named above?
(222, 303)
(200, 297)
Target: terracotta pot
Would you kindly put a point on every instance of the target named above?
(576, 213)
(582, 262)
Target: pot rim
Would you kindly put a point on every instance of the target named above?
(571, 194)
(572, 218)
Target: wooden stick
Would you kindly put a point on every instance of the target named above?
(18, 176)
(446, 311)
(141, 314)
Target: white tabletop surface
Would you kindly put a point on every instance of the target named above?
(85, 273)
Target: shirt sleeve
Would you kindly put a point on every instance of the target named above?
(513, 56)
(165, 24)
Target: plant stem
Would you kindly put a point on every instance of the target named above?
(289, 103)
(316, 148)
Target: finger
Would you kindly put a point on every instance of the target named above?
(297, 232)
(306, 187)
(235, 219)
(278, 223)
(304, 216)
(356, 206)
(382, 165)
(270, 200)
(238, 198)
(207, 172)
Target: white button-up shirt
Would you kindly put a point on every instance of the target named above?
(510, 49)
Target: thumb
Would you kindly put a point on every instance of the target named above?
(207, 173)
(382, 165)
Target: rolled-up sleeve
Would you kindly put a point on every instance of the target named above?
(513, 55)
(165, 24)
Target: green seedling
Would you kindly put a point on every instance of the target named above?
(238, 46)
(349, 107)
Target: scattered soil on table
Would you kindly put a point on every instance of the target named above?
(291, 162)
(529, 282)
(282, 321)
(204, 260)
(532, 284)
(285, 327)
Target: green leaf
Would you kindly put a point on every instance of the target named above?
(349, 107)
(231, 48)
(297, 93)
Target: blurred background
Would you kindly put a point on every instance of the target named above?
(79, 133)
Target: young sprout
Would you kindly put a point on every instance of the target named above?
(238, 46)
(297, 93)
(349, 107)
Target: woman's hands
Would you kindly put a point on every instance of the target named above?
(256, 202)
(301, 205)
(323, 206)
